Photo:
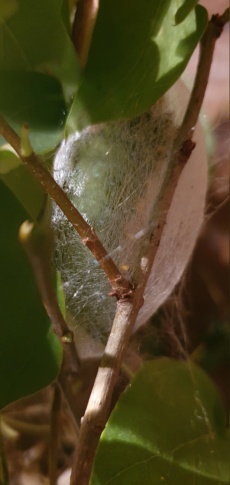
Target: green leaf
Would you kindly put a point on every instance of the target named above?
(21, 182)
(7, 9)
(35, 99)
(39, 71)
(30, 353)
(66, 15)
(184, 10)
(34, 37)
(168, 427)
(137, 53)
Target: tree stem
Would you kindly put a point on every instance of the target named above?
(37, 242)
(89, 238)
(83, 27)
(98, 407)
(4, 474)
(129, 299)
(207, 46)
(54, 435)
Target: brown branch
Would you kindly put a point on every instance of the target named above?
(37, 242)
(207, 45)
(54, 435)
(127, 310)
(87, 234)
(41, 430)
(38, 246)
(83, 26)
(98, 406)
(34, 241)
(67, 380)
(4, 473)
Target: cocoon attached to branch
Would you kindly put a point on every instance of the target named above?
(115, 174)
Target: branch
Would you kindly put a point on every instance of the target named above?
(98, 407)
(41, 430)
(37, 245)
(54, 435)
(37, 242)
(207, 45)
(97, 410)
(4, 473)
(83, 27)
(87, 234)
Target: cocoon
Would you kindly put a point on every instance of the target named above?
(115, 174)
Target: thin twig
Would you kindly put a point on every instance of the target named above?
(207, 45)
(26, 427)
(54, 435)
(98, 406)
(89, 238)
(4, 474)
(67, 380)
(212, 209)
(83, 26)
(37, 242)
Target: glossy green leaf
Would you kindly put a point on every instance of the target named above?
(184, 10)
(34, 37)
(21, 182)
(35, 99)
(30, 353)
(39, 70)
(137, 53)
(167, 428)
(66, 14)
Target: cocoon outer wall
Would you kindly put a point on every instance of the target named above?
(115, 174)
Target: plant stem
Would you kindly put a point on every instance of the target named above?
(37, 242)
(67, 381)
(97, 410)
(54, 435)
(25, 427)
(4, 475)
(83, 26)
(89, 238)
(98, 407)
(207, 45)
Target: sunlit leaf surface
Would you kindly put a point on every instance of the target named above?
(167, 428)
(137, 52)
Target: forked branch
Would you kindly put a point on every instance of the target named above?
(97, 411)
(87, 234)
(129, 300)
